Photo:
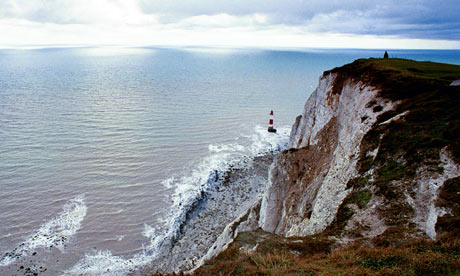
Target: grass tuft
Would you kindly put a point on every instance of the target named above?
(409, 257)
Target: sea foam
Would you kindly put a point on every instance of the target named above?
(54, 233)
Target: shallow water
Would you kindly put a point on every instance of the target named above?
(99, 147)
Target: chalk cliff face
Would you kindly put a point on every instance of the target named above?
(346, 169)
(326, 140)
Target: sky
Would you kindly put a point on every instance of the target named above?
(384, 24)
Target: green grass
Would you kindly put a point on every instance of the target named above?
(398, 78)
(361, 198)
(358, 196)
(391, 170)
(417, 69)
(358, 182)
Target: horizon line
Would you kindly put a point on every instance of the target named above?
(172, 46)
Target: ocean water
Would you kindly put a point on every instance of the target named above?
(102, 149)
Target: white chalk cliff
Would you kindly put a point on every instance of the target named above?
(310, 182)
(332, 129)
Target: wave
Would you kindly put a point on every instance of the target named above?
(54, 233)
(189, 190)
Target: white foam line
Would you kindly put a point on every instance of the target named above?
(263, 141)
(55, 232)
(104, 263)
(229, 147)
(189, 189)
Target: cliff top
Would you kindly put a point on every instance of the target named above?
(394, 76)
(404, 68)
(422, 89)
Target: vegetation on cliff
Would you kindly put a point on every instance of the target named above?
(431, 122)
(316, 255)
(262, 253)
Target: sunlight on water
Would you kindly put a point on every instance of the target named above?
(114, 51)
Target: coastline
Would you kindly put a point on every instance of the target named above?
(232, 194)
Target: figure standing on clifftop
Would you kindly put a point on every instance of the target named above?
(385, 55)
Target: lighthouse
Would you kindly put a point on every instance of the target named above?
(270, 123)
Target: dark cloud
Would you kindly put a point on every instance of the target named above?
(424, 19)
(302, 9)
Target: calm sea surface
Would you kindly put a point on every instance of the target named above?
(97, 145)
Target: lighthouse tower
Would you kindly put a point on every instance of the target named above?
(270, 123)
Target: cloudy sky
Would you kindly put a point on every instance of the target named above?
(232, 23)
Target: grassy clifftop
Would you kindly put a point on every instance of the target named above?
(397, 78)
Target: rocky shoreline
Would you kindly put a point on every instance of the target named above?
(230, 197)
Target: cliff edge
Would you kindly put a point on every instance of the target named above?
(375, 148)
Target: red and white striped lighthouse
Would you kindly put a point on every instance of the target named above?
(270, 123)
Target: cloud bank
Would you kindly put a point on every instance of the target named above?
(305, 23)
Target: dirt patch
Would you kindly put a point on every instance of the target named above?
(297, 176)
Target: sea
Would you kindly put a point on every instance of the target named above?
(103, 148)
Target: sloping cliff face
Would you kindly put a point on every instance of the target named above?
(308, 183)
(375, 143)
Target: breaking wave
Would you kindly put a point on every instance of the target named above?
(54, 233)
(189, 190)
